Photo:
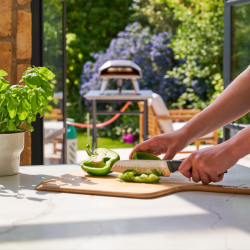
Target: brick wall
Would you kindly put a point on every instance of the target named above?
(15, 48)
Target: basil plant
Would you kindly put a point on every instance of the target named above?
(20, 103)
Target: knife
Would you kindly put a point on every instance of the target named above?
(161, 168)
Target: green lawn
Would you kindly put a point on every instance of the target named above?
(101, 142)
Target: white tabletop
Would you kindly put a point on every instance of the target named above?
(32, 219)
(114, 95)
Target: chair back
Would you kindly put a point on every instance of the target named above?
(153, 127)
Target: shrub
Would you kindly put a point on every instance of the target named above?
(151, 52)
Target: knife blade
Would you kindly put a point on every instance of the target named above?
(161, 168)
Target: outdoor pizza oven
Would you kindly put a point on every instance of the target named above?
(119, 69)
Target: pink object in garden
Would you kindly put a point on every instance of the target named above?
(129, 138)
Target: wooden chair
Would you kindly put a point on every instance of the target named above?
(174, 115)
(55, 115)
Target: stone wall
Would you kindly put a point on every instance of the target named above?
(15, 48)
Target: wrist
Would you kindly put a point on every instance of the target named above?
(184, 137)
(235, 149)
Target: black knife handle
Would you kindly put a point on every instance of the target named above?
(175, 164)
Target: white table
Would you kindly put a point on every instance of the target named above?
(45, 220)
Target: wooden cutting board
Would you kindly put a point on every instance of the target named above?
(236, 181)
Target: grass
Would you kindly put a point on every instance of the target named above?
(101, 142)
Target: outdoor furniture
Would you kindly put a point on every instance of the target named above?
(161, 120)
(33, 219)
(53, 132)
(113, 96)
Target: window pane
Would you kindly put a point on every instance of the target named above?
(240, 39)
(53, 59)
(240, 57)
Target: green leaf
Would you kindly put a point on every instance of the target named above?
(34, 104)
(12, 105)
(42, 98)
(23, 109)
(29, 127)
(11, 126)
(32, 80)
(46, 72)
(3, 73)
(48, 90)
(4, 84)
(41, 112)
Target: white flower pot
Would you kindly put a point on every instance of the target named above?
(11, 146)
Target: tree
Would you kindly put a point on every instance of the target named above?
(155, 14)
(199, 43)
(91, 25)
(151, 52)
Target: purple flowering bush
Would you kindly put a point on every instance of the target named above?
(151, 52)
(155, 57)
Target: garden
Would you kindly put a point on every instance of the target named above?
(178, 45)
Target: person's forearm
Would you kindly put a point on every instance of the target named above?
(239, 145)
(233, 103)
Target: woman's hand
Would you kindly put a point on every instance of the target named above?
(209, 164)
(169, 144)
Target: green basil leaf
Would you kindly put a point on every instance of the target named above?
(4, 84)
(41, 112)
(5, 120)
(42, 98)
(3, 73)
(12, 105)
(48, 90)
(2, 99)
(23, 109)
(29, 126)
(32, 80)
(11, 126)
(34, 104)
(46, 72)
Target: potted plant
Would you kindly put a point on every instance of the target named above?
(19, 104)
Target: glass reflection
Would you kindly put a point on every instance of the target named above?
(240, 57)
(53, 59)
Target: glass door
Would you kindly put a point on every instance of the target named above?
(54, 59)
(236, 51)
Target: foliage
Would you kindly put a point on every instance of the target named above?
(102, 142)
(240, 45)
(150, 52)
(53, 45)
(198, 41)
(91, 25)
(19, 104)
(155, 14)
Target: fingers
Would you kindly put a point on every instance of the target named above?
(217, 178)
(204, 178)
(195, 175)
(169, 155)
(139, 147)
(189, 171)
(185, 168)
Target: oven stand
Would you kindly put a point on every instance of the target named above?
(96, 113)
